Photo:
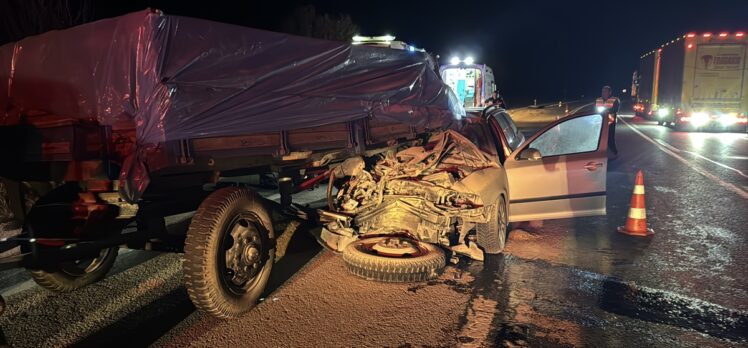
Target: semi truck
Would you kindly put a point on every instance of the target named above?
(695, 82)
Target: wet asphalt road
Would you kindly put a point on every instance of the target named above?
(565, 283)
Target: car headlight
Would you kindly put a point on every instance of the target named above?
(663, 112)
(699, 119)
(600, 108)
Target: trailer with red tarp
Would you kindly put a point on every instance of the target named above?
(147, 115)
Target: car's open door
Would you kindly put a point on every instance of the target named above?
(560, 171)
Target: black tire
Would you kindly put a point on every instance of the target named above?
(660, 123)
(73, 275)
(361, 261)
(213, 286)
(492, 235)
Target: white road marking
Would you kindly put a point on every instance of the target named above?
(663, 143)
(16, 288)
(719, 164)
(742, 193)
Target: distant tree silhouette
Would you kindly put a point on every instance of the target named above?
(22, 18)
(306, 21)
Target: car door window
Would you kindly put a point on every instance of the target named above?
(517, 138)
(577, 135)
(507, 130)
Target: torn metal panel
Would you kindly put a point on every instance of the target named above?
(436, 192)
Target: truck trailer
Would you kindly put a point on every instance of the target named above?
(696, 82)
(147, 115)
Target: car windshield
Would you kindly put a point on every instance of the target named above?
(476, 134)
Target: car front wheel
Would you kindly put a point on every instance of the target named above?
(492, 235)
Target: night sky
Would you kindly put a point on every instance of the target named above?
(537, 49)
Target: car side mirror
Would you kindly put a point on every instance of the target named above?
(530, 154)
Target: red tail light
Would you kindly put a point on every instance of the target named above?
(739, 34)
(707, 35)
(722, 34)
(691, 35)
(742, 118)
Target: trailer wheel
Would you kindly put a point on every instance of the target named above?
(492, 235)
(228, 253)
(73, 275)
(394, 259)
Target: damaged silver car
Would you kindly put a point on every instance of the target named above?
(394, 214)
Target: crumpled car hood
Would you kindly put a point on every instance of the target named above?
(420, 191)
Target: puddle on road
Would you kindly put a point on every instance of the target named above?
(517, 302)
(669, 308)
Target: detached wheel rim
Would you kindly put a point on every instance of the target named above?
(82, 267)
(396, 247)
(243, 250)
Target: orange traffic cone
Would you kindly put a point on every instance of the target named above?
(636, 224)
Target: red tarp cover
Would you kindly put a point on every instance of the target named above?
(181, 78)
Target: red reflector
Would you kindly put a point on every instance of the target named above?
(722, 34)
(80, 210)
(707, 34)
(691, 35)
(98, 185)
(50, 242)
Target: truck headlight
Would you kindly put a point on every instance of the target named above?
(663, 112)
(699, 119)
(728, 119)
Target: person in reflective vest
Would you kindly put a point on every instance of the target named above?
(608, 105)
(496, 99)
